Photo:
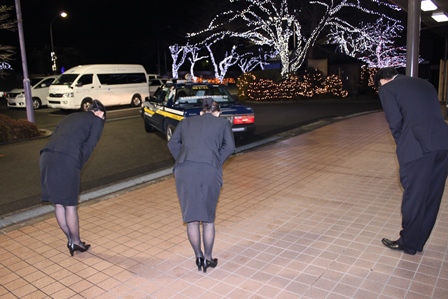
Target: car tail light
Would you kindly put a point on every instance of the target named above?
(243, 119)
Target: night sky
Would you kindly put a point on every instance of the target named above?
(101, 31)
(112, 31)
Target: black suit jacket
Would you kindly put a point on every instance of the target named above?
(204, 138)
(414, 115)
(76, 136)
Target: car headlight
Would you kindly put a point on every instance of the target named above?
(68, 95)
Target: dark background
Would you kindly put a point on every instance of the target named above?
(102, 31)
(134, 31)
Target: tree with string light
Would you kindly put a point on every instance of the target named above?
(179, 54)
(6, 51)
(230, 58)
(249, 61)
(373, 43)
(194, 57)
(273, 23)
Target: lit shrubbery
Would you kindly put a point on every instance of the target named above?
(332, 85)
(16, 129)
(368, 79)
(308, 85)
(243, 84)
(225, 81)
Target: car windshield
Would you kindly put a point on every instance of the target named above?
(65, 79)
(34, 81)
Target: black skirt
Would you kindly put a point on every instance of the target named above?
(198, 186)
(59, 178)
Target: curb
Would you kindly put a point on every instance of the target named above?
(44, 133)
(24, 215)
(28, 214)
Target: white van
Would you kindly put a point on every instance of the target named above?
(112, 84)
(39, 93)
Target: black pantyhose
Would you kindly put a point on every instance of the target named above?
(194, 236)
(208, 236)
(67, 217)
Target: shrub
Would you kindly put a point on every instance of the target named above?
(368, 80)
(242, 85)
(270, 74)
(245, 80)
(16, 129)
(271, 87)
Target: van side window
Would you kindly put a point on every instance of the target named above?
(86, 79)
(123, 78)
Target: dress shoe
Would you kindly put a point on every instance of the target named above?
(209, 264)
(391, 244)
(200, 263)
(73, 247)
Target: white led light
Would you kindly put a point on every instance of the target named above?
(428, 5)
(440, 17)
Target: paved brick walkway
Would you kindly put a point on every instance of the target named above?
(300, 218)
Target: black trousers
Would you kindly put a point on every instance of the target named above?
(423, 181)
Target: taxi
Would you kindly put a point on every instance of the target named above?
(172, 102)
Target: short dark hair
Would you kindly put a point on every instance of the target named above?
(384, 73)
(210, 105)
(97, 106)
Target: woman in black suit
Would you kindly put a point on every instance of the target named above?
(61, 161)
(200, 145)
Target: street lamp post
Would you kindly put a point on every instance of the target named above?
(26, 79)
(53, 54)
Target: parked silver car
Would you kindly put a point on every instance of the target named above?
(39, 92)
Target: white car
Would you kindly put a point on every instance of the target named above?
(3, 95)
(39, 93)
(155, 83)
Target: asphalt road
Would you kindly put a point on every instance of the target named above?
(127, 151)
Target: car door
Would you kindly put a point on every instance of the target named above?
(85, 88)
(40, 90)
(158, 107)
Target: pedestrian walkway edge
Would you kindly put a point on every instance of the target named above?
(21, 216)
(45, 209)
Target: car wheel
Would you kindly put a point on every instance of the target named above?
(148, 127)
(136, 101)
(169, 132)
(85, 104)
(36, 103)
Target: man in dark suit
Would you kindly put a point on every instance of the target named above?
(413, 112)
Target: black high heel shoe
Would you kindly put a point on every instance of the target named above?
(73, 247)
(199, 262)
(209, 264)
